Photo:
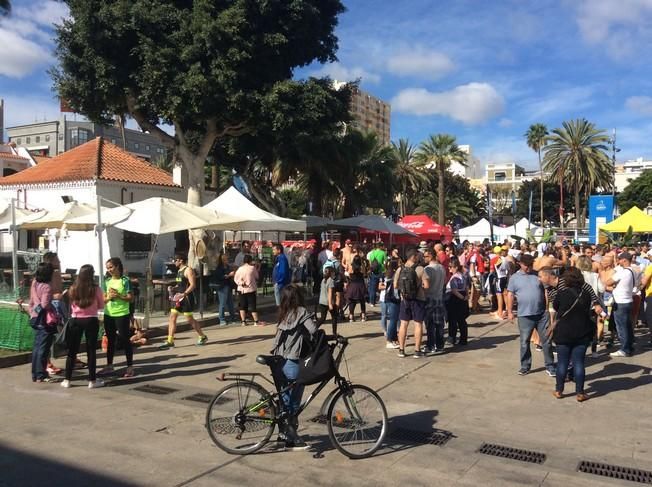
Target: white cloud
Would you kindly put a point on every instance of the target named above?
(639, 104)
(619, 26)
(470, 104)
(342, 73)
(505, 122)
(20, 56)
(26, 37)
(46, 13)
(560, 101)
(420, 62)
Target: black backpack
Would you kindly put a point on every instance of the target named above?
(391, 296)
(318, 365)
(408, 284)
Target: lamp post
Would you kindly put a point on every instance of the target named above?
(614, 149)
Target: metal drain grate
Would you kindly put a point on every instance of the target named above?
(615, 472)
(199, 397)
(152, 389)
(433, 437)
(512, 453)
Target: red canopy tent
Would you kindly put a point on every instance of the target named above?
(426, 228)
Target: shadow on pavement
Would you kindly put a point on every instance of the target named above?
(482, 343)
(242, 339)
(603, 387)
(27, 470)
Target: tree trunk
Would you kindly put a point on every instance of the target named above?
(579, 223)
(441, 214)
(541, 187)
(561, 204)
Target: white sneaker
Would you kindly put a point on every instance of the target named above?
(618, 353)
(95, 384)
(65, 383)
(391, 346)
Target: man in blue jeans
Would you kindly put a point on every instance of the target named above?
(531, 312)
(281, 272)
(623, 281)
(376, 260)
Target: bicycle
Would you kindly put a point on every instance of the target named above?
(242, 416)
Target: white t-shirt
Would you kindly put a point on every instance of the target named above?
(625, 288)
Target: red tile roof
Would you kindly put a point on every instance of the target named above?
(15, 157)
(97, 159)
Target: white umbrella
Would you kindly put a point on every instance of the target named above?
(56, 217)
(22, 217)
(154, 216)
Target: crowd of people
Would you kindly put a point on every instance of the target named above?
(566, 298)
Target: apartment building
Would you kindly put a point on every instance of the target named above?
(53, 137)
(370, 114)
(630, 170)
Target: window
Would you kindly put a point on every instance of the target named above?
(37, 139)
(28, 140)
(136, 242)
(113, 141)
(18, 141)
(500, 176)
(78, 136)
(136, 145)
(47, 138)
(147, 147)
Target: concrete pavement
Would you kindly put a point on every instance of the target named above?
(124, 435)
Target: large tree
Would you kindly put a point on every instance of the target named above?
(637, 193)
(551, 194)
(576, 154)
(461, 200)
(207, 68)
(536, 137)
(440, 150)
(5, 7)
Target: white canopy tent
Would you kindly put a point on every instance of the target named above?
(520, 228)
(476, 232)
(247, 217)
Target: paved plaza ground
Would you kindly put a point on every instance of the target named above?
(121, 436)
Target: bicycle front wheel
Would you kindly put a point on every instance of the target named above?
(357, 421)
(240, 419)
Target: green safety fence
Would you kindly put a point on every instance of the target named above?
(15, 332)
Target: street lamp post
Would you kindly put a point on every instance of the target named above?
(614, 149)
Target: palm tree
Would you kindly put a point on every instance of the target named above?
(441, 150)
(455, 204)
(576, 155)
(536, 137)
(407, 172)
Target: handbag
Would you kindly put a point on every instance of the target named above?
(62, 335)
(318, 366)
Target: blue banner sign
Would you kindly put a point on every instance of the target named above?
(601, 211)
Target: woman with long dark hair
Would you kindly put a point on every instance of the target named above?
(356, 289)
(223, 279)
(572, 331)
(86, 299)
(117, 296)
(43, 319)
(295, 323)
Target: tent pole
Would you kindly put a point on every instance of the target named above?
(149, 289)
(99, 237)
(14, 251)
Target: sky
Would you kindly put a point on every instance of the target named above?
(481, 71)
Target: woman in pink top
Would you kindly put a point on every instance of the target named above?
(86, 299)
(246, 277)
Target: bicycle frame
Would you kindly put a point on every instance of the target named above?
(340, 381)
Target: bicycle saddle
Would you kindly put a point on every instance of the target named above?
(267, 359)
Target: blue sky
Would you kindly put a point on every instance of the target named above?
(482, 71)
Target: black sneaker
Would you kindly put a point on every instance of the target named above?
(431, 351)
(401, 353)
(523, 371)
(538, 348)
(418, 354)
(296, 445)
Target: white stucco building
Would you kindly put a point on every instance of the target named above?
(95, 168)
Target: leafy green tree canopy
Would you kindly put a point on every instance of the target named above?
(205, 67)
(637, 193)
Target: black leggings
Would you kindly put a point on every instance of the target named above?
(121, 325)
(77, 327)
(323, 309)
(353, 302)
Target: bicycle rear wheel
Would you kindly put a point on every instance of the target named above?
(357, 421)
(240, 419)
